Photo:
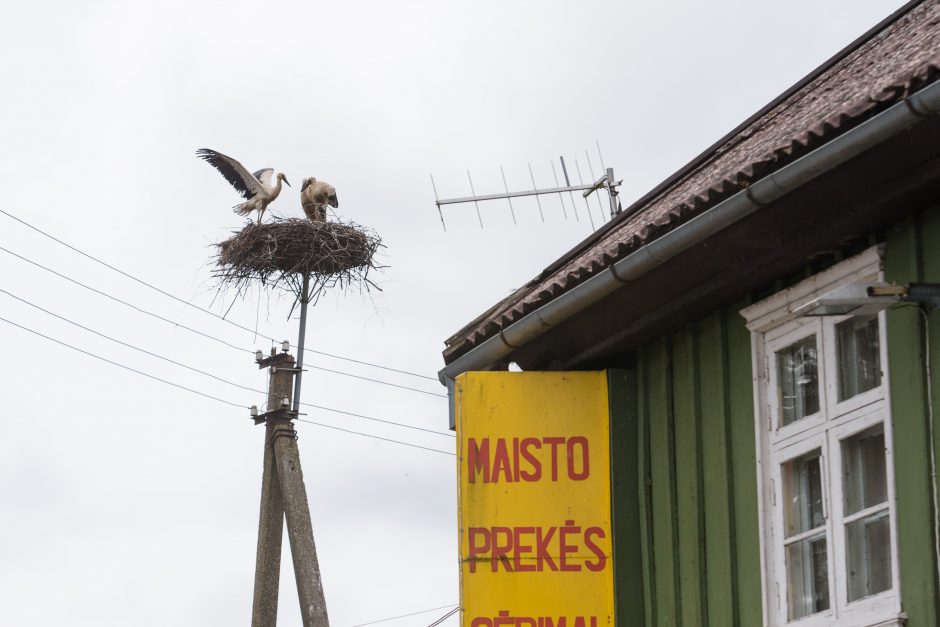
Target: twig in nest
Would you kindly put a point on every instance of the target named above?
(278, 255)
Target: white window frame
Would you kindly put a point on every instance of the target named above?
(884, 603)
(784, 455)
(780, 338)
(773, 326)
(863, 399)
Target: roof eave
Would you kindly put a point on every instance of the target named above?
(896, 118)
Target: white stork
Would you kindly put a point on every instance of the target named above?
(256, 187)
(315, 196)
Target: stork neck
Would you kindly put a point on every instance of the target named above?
(277, 188)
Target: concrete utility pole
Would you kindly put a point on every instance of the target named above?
(283, 492)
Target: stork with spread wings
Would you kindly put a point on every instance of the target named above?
(315, 196)
(255, 187)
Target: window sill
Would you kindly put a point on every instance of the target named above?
(897, 621)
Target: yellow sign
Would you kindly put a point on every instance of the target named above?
(535, 530)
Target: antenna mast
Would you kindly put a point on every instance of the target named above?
(606, 181)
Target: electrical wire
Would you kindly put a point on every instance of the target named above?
(208, 374)
(383, 620)
(202, 309)
(114, 363)
(444, 617)
(123, 302)
(365, 363)
(394, 385)
(203, 394)
(388, 422)
(122, 343)
(931, 428)
(197, 332)
(376, 437)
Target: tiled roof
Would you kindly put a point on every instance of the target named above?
(895, 61)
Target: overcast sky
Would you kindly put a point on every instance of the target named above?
(124, 501)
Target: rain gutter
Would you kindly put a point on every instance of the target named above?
(852, 143)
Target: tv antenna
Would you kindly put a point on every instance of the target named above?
(605, 181)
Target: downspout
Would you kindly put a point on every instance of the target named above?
(898, 117)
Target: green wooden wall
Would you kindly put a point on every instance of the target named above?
(685, 480)
(912, 254)
(690, 437)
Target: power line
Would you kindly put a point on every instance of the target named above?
(383, 620)
(202, 309)
(208, 374)
(122, 343)
(388, 422)
(376, 437)
(114, 363)
(215, 398)
(366, 363)
(197, 332)
(394, 385)
(444, 617)
(123, 302)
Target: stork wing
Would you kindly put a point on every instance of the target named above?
(334, 201)
(265, 175)
(234, 172)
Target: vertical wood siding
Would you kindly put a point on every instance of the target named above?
(913, 255)
(696, 477)
(625, 501)
(695, 540)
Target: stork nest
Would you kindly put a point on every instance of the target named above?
(278, 254)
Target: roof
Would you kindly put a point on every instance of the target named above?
(897, 57)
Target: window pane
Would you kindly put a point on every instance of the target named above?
(807, 577)
(868, 555)
(798, 381)
(864, 476)
(802, 494)
(859, 360)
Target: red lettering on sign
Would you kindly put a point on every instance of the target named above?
(596, 550)
(500, 462)
(522, 549)
(536, 473)
(501, 550)
(505, 619)
(569, 548)
(565, 548)
(582, 443)
(519, 459)
(478, 459)
(483, 548)
(554, 442)
(541, 547)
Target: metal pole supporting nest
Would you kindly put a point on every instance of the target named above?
(301, 337)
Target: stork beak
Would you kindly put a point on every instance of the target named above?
(288, 182)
